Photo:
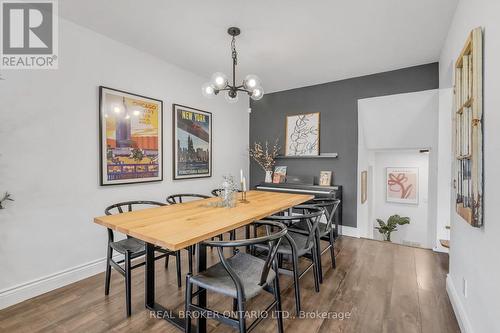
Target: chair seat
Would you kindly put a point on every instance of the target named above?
(285, 247)
(247, 267)
(133, 245)
(323, 231)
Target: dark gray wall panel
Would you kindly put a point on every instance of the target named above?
(337, 103)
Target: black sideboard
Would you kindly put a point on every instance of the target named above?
(334, 192)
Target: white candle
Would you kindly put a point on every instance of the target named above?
(244, 184)
(241, 175)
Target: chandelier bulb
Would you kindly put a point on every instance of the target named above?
(219, 80)
(208, 90)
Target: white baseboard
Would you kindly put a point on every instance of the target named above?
(349, 231)
(458, 308)
(27, 290)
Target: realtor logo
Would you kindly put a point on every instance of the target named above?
(29, 34)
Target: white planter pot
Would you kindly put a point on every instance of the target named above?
(269, 177)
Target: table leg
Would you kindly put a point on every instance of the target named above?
(159, 310)
(201, 258)
(338, 219)
(318, 251)
(247, 236)
(150, 276)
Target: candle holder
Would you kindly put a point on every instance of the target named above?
(244, 197)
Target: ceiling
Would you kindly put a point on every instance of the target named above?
(287, 43)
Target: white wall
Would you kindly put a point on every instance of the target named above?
(417, 231)
(444, 176)
(474, 253)
(363, 209)
(398, 122)
(401, 121)
(49, 156)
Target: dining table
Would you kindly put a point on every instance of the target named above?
(175, 227)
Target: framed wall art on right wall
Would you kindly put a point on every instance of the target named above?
(468, 133)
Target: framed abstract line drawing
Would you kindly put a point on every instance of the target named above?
(402, 185)
(131, 137)
(302, 135)
(192, 142)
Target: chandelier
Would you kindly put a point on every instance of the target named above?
(219, 81)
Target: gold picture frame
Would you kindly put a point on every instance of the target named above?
(364, 186)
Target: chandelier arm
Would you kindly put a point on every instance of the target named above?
(243, 89)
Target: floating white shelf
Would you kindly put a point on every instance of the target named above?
(324, 155)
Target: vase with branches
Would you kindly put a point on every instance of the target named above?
(392, 225)
(265, 156)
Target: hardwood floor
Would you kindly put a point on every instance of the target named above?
(382, 287)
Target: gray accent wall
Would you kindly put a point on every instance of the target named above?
(337, 103)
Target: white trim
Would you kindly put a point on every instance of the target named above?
(458, 307)
(349, 231)
(27, 290)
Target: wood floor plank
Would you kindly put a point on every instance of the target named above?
(383, 286)
(403, 312)
(435, 306)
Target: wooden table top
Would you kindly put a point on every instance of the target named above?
(178, 226)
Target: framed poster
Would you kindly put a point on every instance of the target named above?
(302, 135)
(192, 142)
(402, 185)
(131, 136)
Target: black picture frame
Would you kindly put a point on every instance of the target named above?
(175, 167)
(103, 179)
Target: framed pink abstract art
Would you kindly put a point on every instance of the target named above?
(402, 185)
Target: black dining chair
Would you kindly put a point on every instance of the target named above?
(216, 192)
(297, 244)
(185, 197)
(241, 277)
(326, 230)
(131, 248)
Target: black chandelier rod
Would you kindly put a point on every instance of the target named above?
(234, 55)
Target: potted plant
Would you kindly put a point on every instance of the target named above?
(265, 157)
(392, 223)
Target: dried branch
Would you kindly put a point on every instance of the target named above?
(266, 156)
